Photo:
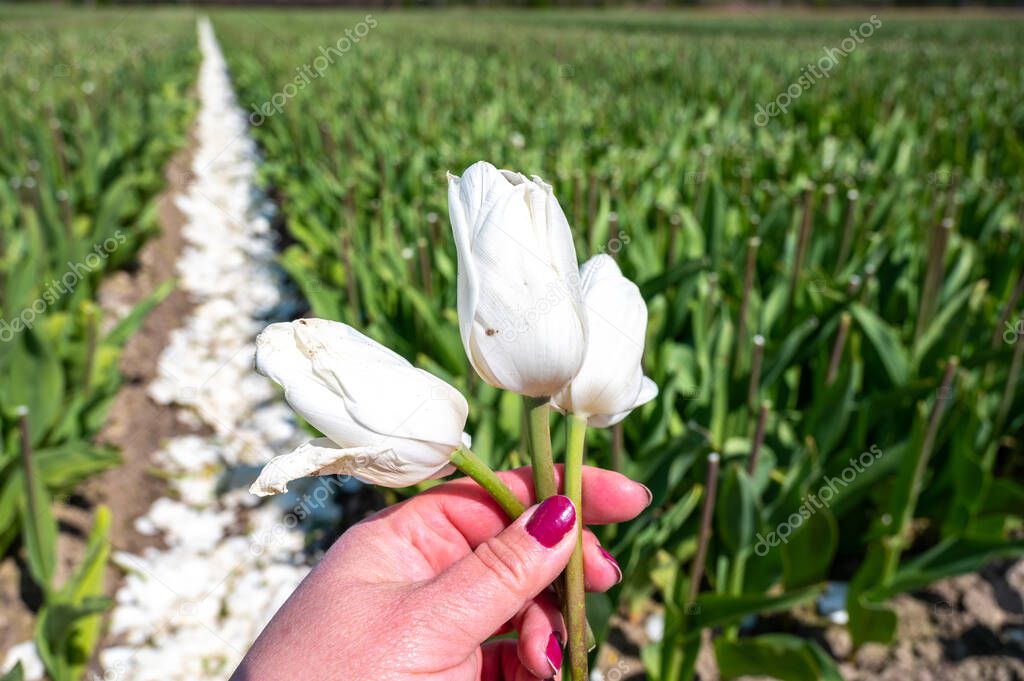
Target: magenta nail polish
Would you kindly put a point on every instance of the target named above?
(554, 653)
(552, 520)
(611, 559)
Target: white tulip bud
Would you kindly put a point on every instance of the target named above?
(520, 312)
(611, 383)
(385, 421)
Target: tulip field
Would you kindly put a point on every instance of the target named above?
(823, 215)
(90, 118)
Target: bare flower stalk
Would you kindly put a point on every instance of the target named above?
(699, 196)
(326, 141)
(869, 283)
(933, 275)
(65, 205)
(748, 284)
(755, 449)
(828, 192)
(954, 180)
(869, 211)
(350, 205)
(577, 197)
(853, 285)
(352, 290)
(755, 372)
(426, 275)
(846, 244)
(674, 225)
(591, 205)
(710, 490)
(837, 349)
(803, 237)
(613, 231)
(58, 148)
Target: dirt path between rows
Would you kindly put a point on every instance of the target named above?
(137, 425)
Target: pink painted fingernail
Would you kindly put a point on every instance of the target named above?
(611, 559)
(554, 653)
(552, 520)
(650, 495)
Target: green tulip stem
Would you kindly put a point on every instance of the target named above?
(474, 467)
(539, 427)
(574, 605)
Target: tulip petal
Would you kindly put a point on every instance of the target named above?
(610, 382)
(648, 391)
(316, 457)
(520, 314)
(280, 357)
(390, 399)
(467, 279)
(373, 465)
(360, 394)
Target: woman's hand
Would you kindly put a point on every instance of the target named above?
(414, 592)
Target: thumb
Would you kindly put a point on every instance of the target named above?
(477, 595)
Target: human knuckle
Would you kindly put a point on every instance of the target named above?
(505, 563)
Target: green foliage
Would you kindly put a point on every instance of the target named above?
(653, 150)
(16, 673)
(91, 115)
(68, 626)
(785, 657)
(645, 125)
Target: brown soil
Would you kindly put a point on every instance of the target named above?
(136, 425)
(967, 628)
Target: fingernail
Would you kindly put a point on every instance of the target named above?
(611, 559)
(552, 520)
(650, 494)
(554, 653)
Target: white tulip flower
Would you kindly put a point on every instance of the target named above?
(385, 421)
(611, 383)
(520, 312)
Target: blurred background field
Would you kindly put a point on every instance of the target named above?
(834, 267)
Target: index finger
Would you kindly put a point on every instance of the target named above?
(608, 497)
